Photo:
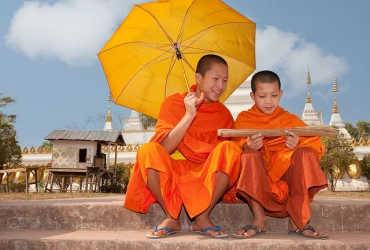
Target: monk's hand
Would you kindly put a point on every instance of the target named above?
(190, 102)
(292, 140)
(254, 142)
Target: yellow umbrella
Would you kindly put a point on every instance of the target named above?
(154, 52)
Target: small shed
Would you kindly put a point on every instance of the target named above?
(77, 153)
(84, 145)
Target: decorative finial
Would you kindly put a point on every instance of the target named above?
(335, 87)
(308, 82)
(109, 99)
(335, 90)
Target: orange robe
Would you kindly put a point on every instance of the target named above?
(269, 177)
(188, 181)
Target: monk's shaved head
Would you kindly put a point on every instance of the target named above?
(265, 76)
(206, 62)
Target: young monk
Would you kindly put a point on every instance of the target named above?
(279, 175)
(208, 165)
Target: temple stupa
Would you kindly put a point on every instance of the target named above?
(336, 120)
(108, 122)
(310, 116)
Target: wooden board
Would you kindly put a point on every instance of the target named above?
(300, 131)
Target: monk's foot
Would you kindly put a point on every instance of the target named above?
(253, 228)
(307, 230)
(203, 221)
(173, 224)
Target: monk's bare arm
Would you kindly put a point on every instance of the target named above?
(174, 138)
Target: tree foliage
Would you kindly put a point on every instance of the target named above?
(365, 166)
(337, 157)
(10, 151)
(147, 121)
(362, 130)
(47, 145)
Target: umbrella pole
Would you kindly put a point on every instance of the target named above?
(186, 79)
(179, 57)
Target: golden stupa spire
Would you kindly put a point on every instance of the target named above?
(335, 90)
(308, 82)
(109, 117)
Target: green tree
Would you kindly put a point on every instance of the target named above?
(10, 151)
(337, 157)
(352, 130)
(47, 145)
(147, 121)
(365, 166)
(362, 129)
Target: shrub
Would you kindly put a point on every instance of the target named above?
(365, 166)
(123, 174)
(17, 187)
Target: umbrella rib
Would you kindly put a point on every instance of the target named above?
(162, 57)
(216, 52)
(164, 31)
(152, 45)
(197, 36)
(182, 30)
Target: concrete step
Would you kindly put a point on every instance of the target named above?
(332, 215)
(86, 239)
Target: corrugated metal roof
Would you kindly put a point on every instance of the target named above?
(83, 135)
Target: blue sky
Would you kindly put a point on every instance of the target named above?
(49, 65)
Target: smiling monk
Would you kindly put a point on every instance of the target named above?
(203, 167)
(279, 176)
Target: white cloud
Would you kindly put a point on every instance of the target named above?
(72, 31)
(289, 55)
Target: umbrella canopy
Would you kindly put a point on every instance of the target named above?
(154, 52)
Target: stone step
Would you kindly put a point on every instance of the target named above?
(91, 240)
(332, 215)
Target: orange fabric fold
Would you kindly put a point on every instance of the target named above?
(189, 182)
(276, 155)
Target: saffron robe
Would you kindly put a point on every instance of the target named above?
(269, 179)
(188, 180)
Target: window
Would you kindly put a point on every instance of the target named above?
(82, 155)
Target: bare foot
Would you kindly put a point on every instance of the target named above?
(261, 224)
(292, 227)
(203, 221)
(172, 223)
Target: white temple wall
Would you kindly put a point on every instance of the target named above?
(348, 184)
(360, 152)
(137, 137)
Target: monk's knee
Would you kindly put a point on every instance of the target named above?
(229, 146)
(151, 147)
(304, 152)
(250, 159)
(251, 153)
